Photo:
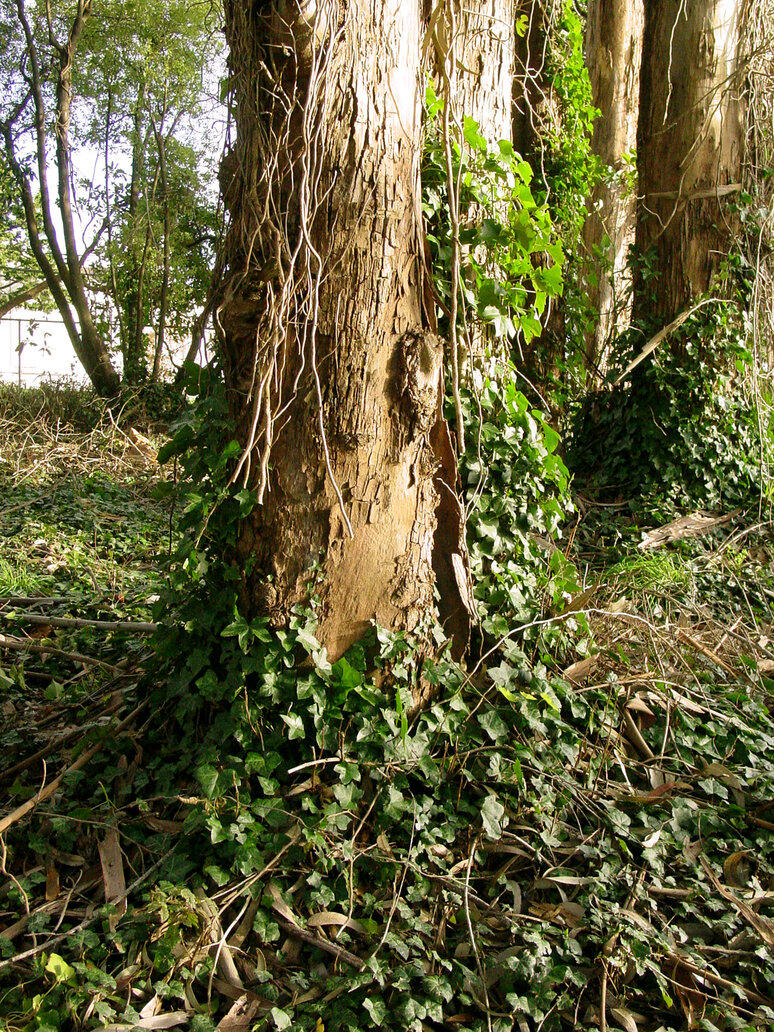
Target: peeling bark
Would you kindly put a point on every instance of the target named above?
(690, 142)
(613, 56)
(333, 369)
(485, 75)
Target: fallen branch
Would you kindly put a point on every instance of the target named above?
(709, 654)
(25, 645)
(322, 944)
(657, 339)
(139, 626)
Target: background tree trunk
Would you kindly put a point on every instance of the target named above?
(485, 74)
(689, 148)
(484, 92)
(613, 55)
(334, 375)
(134, 346)
(530, 85)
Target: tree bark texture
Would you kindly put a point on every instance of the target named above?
(485, 72)
(333, 369)
(613, 56)
(689, 147)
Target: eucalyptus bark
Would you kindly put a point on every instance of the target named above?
(690, 143)
(485, 71)
(333, 370)
(613, 56)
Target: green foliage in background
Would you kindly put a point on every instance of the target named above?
(511, 264)
(566, 171)
(684, 430)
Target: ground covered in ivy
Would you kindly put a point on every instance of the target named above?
(211, 826)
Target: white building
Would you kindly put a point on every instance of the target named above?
(35, 346)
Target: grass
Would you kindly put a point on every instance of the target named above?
(622, 875)
(80, 514)
(79, 524)
(658, 569)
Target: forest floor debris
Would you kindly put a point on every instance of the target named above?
(584, 841)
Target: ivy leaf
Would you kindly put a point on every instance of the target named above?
(307, 640)
(207, 776)
(492, 815)
(377, 1009)
(493, 724)
(281, 1018)
(295, 726)
(346, 675)
(59, 968)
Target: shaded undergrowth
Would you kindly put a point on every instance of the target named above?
(576, 834)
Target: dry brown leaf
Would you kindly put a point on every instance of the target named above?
(330, 917)
(160, 1021)
(240, 1016)
(692, 999)
(694, 525)
(737, 869)
(762, 925)
(722, 773)
(687, 704)
(166, 827)
(52, 883)
(151, 1008)
(579, 602)
(112, 863)
(577, 672)
(645, 714)
(624, 1018)
(279, 904)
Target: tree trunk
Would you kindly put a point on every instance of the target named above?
(689, 148)
(484, 92)
(92, 351)
(536, 117)
(485, 74)
(62, 271)
(158, 353)
(613, 55)
(134, 347)
(333, 371)
(530, 86)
